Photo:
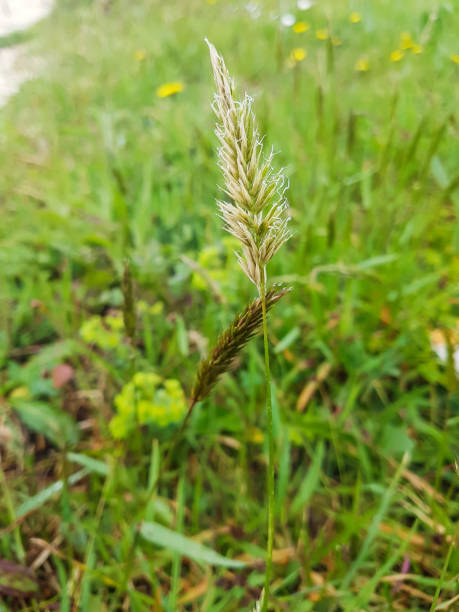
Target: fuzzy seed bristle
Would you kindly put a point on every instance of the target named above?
(257, 213)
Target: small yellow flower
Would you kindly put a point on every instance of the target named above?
(147, 399)
(298, 55)
(362, 65)
(355, 17)
(211, 1)
(396, 55)
(406, 42)
(336, 42)
(455, 58)
(140, 55)
(322, 34)
(114, 321)
(417, 49)
(300, 27)
(169, 89)
(255, 435)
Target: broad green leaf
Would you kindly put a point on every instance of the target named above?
(176, 542)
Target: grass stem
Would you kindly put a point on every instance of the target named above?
(269, 430)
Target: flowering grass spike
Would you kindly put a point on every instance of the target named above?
(245, 325)
(257, 212)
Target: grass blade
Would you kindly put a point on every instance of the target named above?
(311, 481)
(176, 542)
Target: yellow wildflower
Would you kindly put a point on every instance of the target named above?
(355, 17)
(140, 55)
(362, 65)
(211, 1)
(298, 55)
(406, 42)
(255, 435)
(455, 58)
(396, 55)
(322, 34)
(417, 49)
(336, 42)
(300, 27)
(169, 89)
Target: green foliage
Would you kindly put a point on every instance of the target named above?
(105, 333)
(97, 169)
(52, 423)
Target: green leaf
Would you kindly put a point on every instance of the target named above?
(287, 340)
(182, 336)
(378, 260)
(396, 441)
(57, 426)
(94, 465)
(45, 494)
(311, 481)
(176, 542)
(439, 172)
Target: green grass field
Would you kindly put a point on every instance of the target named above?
(100, 167)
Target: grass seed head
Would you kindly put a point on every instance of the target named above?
(244, 326)
(257, 211)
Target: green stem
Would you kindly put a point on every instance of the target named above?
(269, 430)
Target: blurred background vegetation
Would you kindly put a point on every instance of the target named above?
(109, 156)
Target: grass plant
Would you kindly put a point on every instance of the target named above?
(257, 217)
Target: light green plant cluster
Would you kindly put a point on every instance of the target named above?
(151, 309)
(218, 263)
(104, 332)
(147, 399)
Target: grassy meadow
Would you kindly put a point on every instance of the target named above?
(109, 172)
